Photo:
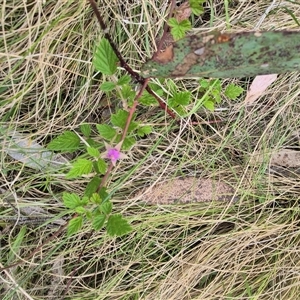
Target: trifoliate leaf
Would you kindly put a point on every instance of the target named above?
(71, 200)
(85, 129)
(93, 152)
(106, 131)
(117, 225)
(143, 130)
(80, 167)
(233, 91)
(74, 225)
(124, 80)
(106, 207)
(107, 86)
(66, 142)
(105, 59)
(92, 186)
(98, 221)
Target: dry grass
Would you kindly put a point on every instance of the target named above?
(246, 250)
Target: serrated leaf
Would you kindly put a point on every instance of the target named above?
(209, 104)
(128, 143)
(119, 119)
(80, 210)
(74, 225)
(101, 166)
(125, 79)
(103, 194)
(106, 131)
(197, 6)
(95, 198)
(127, 92)
(107, 86)
(147, 99)
(92, 186)
(80, 167)
(117, 225)
(105, 60)
(98, 222)
(71, 200)
(179, 29)
(85, 129)
(106, 207)
(66, 142)
(182, 98)
(204, 83)
(93, 152)
(143, 130)
(233, 91)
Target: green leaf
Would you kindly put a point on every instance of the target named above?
(128, 143)
(80, 210)
(125, 79)
(93, 152)
(74, 225)
(144, 130)
(71, 200)
(117, 225)
(105, 60)
(119, 119)
(182, 98)
(98, 222)
(178, 30)
(197, 7)
(106, 207)
(106, 131)
(233, 91)
(92, 186)
(209, 104)
(66, 142)
(95, 198)
(147, 99)
(85, 129)
(101, 166)
(127, 92)
(103, 194)
(79, 167)
(107, 86)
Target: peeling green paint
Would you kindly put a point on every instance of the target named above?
(223, 55)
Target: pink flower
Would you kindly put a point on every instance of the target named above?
(113, 153)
